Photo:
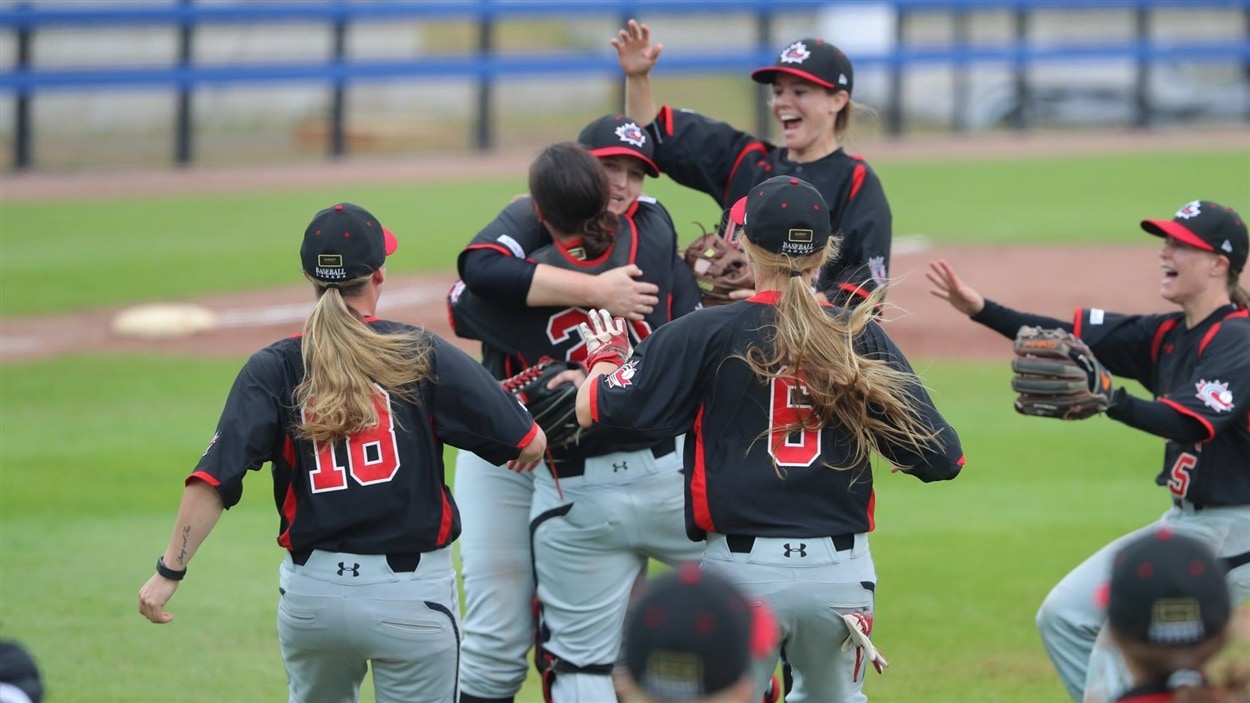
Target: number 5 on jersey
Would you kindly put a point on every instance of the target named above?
(369, 457)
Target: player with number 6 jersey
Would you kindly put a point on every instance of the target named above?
(1195, 362)
(353, 415)
(783, 402)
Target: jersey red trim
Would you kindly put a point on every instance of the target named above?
(854, 289)
(594, 398)
(772, 297)
(206, 478)
(1078, 318)
(857, 180)
(1206, 339)
(529, 436)
(665, 118)
(288, 501)
(698, 480)
(872, 510)
(1164, 327)
(444, 525)
(753, 146)
(584, 263)
(1186, 411)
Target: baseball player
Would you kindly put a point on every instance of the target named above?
(693, 636)
(812, 82)
(1169, 612)
(1194, 362)
(353, 415)
(20, 681)
(783, 402)
(512, 259)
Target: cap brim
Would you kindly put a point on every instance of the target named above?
(769, 75)
(738, 213)
(652, 169)
(1174, 229)
(391, 242)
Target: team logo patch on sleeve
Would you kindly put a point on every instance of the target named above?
(795, 53)
(211, 442)
(1215, 395)
(631, 133)
(623, 376)
(876, 266)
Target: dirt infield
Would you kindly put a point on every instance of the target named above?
(1121, 278)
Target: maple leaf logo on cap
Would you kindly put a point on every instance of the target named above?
(1190, 210)
(795, 53)
(632, 134)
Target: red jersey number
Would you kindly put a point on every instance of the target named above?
(1178, 477)
(788, 409)
(371, 456)
(562, 326)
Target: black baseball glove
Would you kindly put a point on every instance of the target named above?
(554, 409)
(1056, 375)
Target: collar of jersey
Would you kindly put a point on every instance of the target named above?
(772, 297)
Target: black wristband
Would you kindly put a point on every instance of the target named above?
(167, 572)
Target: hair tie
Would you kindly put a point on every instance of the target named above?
(795, 273)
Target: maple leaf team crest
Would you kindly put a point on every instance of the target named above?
(795, 53)
(1215, 395)
(632, 134)
(1190, 210)
(876, 266)
(623, 376)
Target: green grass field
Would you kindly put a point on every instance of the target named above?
(93, 450)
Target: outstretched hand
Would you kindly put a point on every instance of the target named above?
(607, 339)
(634, 50)
(949, 287)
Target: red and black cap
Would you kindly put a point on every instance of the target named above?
(1167, 589)
(694, 634)
(617, 135)
(345, 242)
(1209, 226)
(812, 60)
(784, 215)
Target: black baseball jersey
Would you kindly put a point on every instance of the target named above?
(1203, 373)
(717, 159)
(515, 336)
(686, 378)
(379, 492)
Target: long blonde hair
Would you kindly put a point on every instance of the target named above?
(867, 398)
(1235, 292)
(346, 360)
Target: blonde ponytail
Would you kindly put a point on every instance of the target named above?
(346, 360)
(1236, 293)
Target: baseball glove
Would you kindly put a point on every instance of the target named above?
(1056, 375)
(719, 268)
(554, 409)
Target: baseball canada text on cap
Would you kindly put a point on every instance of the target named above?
(784, 215)
(344, 242)
(1209, 226)
(1167, 589)
(693, 634)
(813, 60)
(617, 135)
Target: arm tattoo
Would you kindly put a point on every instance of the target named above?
(182, 554)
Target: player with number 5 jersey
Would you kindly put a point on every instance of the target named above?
(353, 415)
(784, 402)
(1195, 362)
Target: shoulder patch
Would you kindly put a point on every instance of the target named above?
(647, 199)
(513, 245)
(623, 376)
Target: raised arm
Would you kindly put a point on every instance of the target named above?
(637, 56)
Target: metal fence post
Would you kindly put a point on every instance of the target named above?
(21, 120)
(182, 117)
(1020, 118)
(959, 90)
(1142, 116)
(894, 114)
(337, 100)
(483, 138)
(763, 43)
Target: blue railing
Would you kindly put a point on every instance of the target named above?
(485, 66)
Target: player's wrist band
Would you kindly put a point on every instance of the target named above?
(167, 572)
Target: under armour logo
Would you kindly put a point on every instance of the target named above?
(344, 568)
(801, 549)
(623, 466)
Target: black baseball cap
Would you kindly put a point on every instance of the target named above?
(784, 215)
(812, 60)
(1209, 226)
(18, 669)
(1167, 589)
(617, 135)
(693, 634)
(344, 242)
